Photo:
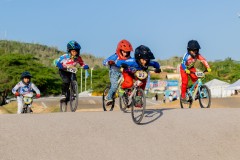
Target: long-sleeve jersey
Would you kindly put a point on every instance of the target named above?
(66, 60)
(131, 62)
(114, 58)
(188, 61)
(23, 88)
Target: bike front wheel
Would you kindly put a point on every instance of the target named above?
(63, 105)
(204, 97)
(73, 96)
(107, 107)
(138, 106)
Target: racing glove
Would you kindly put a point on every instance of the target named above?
(111, 62)
(157, 70)
(124, 65)
(209, 69)
(187, 71)
(85, 66)
(38, 96)
(17, 94)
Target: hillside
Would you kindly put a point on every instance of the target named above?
(17, 57)
(44, 53)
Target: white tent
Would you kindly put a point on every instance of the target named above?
(218, 88)
(234, 86)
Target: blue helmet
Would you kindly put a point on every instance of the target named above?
(26, 74)
(73, 45)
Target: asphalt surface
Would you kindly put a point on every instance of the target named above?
(166, 133)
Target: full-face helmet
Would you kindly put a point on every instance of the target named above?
(126, 46)
(143, 52)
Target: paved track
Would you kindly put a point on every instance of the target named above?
(166, 134)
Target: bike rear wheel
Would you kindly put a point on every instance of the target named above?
(104, 100)
(138, 106)
(73, 96)
(204, 97)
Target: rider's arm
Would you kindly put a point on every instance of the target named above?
(130, 62)
(154, 64)
(59, 63)
(113, 57)
(184, 61)
(34, 87)
(80, 61)
(203, 60)
(15, 89)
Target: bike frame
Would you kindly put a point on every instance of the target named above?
(195, 88)
(133, 92)
(120, 80)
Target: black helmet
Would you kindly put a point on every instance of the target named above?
(143, 52)
(193, 45)
(26, 74)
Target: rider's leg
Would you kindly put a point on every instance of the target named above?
(184, 76)
(193, 77)
(65, 81)
(114, 76)
(128, 80)
(20, 104)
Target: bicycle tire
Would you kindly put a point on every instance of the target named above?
(138, 106)
(28, 109)
(190, 100)
(104, 95)
(24, 109)
(123, 102)
(63, 106)
(73, 96)
(204, 97)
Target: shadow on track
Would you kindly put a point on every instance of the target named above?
(152, 115)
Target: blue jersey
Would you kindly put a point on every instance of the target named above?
(131, 62)
(113, 57)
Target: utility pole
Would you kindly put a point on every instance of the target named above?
(85, 80)
(91, 77)
(81, 80)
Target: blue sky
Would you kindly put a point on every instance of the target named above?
(98, 25)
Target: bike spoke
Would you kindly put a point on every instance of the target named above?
(63, 106)
(107, 106)
(204, 97)
(74, 96)
(138, 106)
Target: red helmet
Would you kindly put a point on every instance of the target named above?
(125, 46)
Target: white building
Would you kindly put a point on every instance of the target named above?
(218, 88)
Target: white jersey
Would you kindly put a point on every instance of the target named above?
(24, 89)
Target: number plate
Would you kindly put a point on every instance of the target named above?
(141, 75)
(27, 100)
(199, 74)
(73, 70)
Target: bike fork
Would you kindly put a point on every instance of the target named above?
(130, 97)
